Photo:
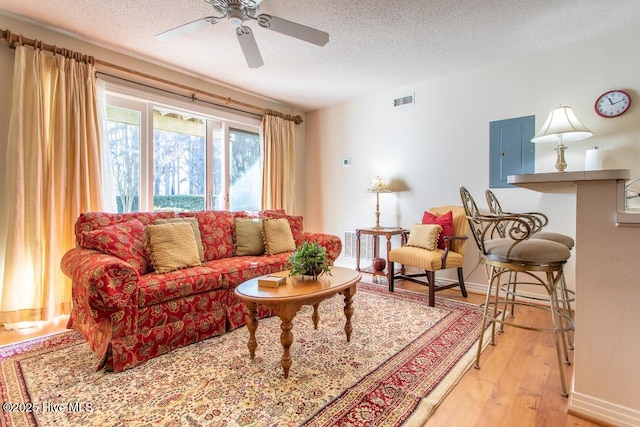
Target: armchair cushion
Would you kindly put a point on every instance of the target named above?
(445, 221)
(425, 260)
(424, 236)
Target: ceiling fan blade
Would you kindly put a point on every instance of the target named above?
(249, 47)
(293, 29)
(186, 28)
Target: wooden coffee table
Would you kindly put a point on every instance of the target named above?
(289, 297)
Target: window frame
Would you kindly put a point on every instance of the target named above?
(146, 101)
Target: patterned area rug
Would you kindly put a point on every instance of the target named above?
(403, 358)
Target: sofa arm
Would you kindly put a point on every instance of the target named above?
(331, 243)
(101, 281)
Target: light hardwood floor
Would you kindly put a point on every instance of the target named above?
(518, 383)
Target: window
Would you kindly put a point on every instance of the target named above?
(179, 180)
(124, 127)
(167, 158)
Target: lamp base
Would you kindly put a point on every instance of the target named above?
(561, 165)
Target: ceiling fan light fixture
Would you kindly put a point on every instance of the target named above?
(236, 16)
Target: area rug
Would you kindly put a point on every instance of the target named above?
(403, 358)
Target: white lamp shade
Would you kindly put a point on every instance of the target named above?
(562, 125)
(378, 185)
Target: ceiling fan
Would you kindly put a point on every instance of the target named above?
(239, 11)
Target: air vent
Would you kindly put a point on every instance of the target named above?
(409, 99)
(366, 246)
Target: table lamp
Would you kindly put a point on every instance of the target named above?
(561, 125)
(378, 185)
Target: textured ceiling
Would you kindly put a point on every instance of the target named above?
(374, 45)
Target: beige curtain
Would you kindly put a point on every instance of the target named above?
(278, 173)
(53, 167)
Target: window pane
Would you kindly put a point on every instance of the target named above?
(245, 170)
(218, 170)
(178, 161)
(124, 140)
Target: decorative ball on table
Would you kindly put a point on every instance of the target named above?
(379, 264)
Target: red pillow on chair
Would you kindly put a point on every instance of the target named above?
(445, 221)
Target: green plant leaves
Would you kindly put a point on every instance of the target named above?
(310, 259)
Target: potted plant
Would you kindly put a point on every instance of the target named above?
(310, 259)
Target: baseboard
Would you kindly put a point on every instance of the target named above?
(481, 288)
(603, 412)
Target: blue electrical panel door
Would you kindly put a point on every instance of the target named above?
(511, 151)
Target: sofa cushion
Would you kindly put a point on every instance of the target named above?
(277, 236)
(295, 222)
(248, 237)
(171, 246)
(236, 270)
(194, 226)
(88, 221)
(216, 228)
(124, 240)
(445, 221)
(156, 288)
(424, 236)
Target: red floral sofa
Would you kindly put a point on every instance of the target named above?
(129, 314)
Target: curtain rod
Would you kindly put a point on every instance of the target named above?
(227, 102)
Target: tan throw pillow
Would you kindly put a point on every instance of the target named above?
(277, 236)
(194, 226)
(248, 235)
(171, 246)
(424, 236)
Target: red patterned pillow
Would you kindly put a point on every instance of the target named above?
(445, 221)
(124, 240)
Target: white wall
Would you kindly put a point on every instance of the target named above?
(441, 143)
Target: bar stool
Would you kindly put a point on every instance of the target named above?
(567, 296)
(518, 254)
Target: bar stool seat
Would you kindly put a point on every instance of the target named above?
(567, 296)
(533, 251)
(563, 239)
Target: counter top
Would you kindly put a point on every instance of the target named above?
(565, 182)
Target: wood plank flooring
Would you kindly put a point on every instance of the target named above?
(518, 383)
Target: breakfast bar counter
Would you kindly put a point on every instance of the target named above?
(606, 372)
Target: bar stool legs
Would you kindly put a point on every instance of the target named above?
(495, 310)
(565, 298)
